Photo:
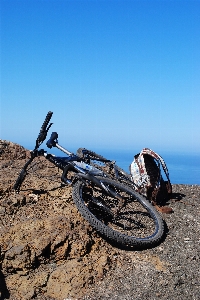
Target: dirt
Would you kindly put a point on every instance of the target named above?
(48, 251)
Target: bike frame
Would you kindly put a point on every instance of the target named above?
(66, 164)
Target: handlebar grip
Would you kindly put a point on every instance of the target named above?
(46, 121)
(43, 131)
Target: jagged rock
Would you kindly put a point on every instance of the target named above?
(46, 246)
(49, 252)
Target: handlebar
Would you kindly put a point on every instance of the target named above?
(44, 129)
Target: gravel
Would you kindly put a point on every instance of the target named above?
(169, 271)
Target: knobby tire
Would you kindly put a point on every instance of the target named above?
(131, 222)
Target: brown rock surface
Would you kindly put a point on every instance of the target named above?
(48, 251)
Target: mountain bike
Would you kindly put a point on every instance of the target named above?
(114, 209)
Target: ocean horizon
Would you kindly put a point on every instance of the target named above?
(183, 168)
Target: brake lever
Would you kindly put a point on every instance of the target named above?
(42, 136)
(49, 127)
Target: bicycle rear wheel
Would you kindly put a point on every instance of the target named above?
(126, 218)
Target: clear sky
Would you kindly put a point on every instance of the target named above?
(122, 74)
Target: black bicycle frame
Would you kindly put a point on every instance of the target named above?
(66, 164)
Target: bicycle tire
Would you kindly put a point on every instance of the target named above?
(100, 210)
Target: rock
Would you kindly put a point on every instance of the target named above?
(68, 280)
(46, 246)
(49, 252)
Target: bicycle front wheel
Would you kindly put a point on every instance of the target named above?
(123, 215)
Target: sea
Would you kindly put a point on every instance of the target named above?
(184, 168)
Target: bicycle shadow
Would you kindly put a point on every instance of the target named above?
(4, 293)
(177, 197)
(41, 191)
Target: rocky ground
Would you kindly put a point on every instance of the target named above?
(48, 251)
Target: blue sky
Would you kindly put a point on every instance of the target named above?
(116, 74)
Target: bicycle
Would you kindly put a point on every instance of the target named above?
(114, 209)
